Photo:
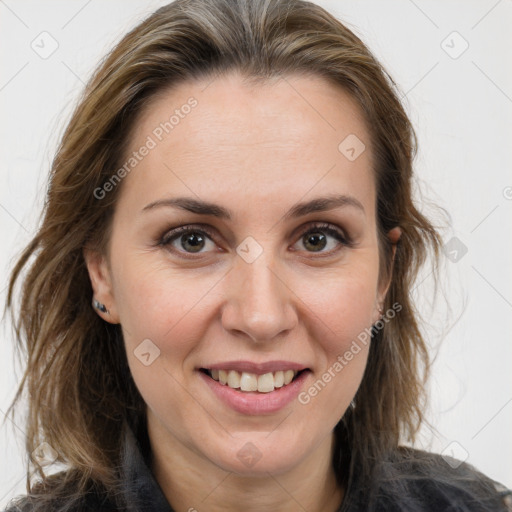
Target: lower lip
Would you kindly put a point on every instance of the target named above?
(253, 402)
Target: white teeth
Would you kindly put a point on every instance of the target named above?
(246, 381)
(288, 376)
(279, 379)
(266, 383)
(233, 379)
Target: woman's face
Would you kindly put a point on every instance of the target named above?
(273, 275)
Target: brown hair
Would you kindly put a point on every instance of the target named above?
(80, 391)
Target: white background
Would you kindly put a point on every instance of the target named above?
(462, 110)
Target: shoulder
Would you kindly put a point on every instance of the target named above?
(415, 481)
(439, 482)
(50, 504)
(59, 497)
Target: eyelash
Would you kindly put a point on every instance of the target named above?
(170, 236)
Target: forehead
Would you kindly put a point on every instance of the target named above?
(226, 137)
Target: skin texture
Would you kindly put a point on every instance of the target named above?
(256, 150)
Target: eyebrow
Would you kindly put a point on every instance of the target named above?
(320, 204)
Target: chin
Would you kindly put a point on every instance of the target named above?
(259, 453)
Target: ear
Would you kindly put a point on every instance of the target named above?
(393, 235)
(101, 281)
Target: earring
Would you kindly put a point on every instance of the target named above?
(99, 306)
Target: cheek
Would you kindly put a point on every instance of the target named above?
(152, 299)
(163, 322)
(173, 310)
(339, 306)
(341, 326)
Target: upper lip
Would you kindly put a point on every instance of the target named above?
(257, 368)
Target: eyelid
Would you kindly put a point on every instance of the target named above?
(325, 226)
(175, 232)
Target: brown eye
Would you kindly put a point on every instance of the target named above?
(188, 240)
(192, 242)
(320, 236)
(315, 241)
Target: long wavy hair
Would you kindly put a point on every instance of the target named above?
(79, 388)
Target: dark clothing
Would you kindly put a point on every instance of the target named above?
(410, 481)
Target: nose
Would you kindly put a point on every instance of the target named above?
(259, 303)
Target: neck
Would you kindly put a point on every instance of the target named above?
(191, 482)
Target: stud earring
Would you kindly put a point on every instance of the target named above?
(99, 306)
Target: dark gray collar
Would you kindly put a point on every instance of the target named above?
(143, 494)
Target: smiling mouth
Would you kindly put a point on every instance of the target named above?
(251, 382)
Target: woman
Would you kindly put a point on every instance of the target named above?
(217, 315)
